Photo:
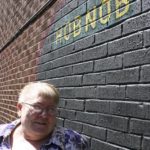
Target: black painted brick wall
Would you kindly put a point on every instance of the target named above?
(104, 81)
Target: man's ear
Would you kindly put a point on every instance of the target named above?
(19, 108)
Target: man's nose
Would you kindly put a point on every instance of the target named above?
(44, 113)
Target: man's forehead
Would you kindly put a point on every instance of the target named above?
(42, 100)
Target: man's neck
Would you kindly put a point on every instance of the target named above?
(19, 135)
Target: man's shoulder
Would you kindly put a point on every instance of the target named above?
(69, 133)
(7, 127)
(73, 138)
(3, 127)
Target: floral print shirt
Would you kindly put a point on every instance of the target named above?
(61, 139)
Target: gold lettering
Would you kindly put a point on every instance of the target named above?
(59, 36)
(91, 20)
(118, 5)
(67, 36)
(105, 19)
(77, 26)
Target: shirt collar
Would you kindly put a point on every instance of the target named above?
(57, 138)
(8, 128)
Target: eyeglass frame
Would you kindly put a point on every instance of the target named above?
(50, 111)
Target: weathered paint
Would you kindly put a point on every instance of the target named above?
(82, 22)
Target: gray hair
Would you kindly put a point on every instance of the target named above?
(43, 89)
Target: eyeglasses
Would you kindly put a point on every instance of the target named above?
(38, 110)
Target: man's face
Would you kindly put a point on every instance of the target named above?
(37, 124)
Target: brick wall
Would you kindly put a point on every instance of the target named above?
(97, 54)
(18, 62)
(14, 14)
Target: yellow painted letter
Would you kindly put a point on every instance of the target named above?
(59, 36)
(91, 20)
(105, 19)
(119, 3)
(77, 26)
(67, 35)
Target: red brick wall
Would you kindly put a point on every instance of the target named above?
(19, 60)
(18, 66)
(14, 14)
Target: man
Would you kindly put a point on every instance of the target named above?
(36, 127)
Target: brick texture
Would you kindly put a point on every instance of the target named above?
(99, 61)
